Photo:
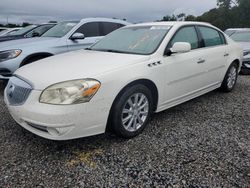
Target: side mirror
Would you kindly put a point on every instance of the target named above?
(77, 36)
(181, 47)
(178, 47)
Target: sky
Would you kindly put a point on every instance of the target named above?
(40, 11)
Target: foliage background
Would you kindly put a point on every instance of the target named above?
(228, 14)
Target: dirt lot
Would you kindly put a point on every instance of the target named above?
(202, 143)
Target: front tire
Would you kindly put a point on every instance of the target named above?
(131, 111)
(230, 79)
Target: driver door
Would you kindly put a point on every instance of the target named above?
(92, 34)
(184, 72)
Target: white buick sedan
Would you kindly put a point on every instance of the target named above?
(119, 82)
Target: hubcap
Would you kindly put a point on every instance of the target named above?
(232, 77)
(135, 112)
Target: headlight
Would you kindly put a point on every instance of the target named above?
(70, 92)
(10, 54)
(246, 53)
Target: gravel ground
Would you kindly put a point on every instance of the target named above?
(202, 143)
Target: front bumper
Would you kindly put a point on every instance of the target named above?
(245, 69)
(7, 68)
(60, 122)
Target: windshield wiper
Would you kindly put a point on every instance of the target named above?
(112, 51)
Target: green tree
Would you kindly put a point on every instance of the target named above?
(190, 18)
(25, 24)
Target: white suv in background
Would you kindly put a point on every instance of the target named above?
(65, 36)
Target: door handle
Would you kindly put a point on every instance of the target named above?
(226, 54)
(201, 61)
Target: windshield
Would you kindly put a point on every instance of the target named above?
(230, 32)
(241, 36)
(23, 30)
(142, 40)
(60, 29)
(2, 31)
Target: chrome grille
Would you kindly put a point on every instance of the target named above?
(17, 91)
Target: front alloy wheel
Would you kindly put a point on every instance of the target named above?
(131, 111)
(135, 112)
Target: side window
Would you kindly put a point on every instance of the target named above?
(223, 38)
(39, 30)
(186, 34)
(108, 27)
(89, 29)
(211, 36)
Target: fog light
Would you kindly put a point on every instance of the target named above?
(58, 131)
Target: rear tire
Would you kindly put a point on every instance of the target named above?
(131, 111)
(230, 78)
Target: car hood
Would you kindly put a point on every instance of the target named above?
(75, 65)
(245, 45)
(22, 43)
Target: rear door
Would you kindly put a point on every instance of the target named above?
(215, 54)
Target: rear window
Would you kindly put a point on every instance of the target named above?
(108, 27)
(90, 29)
(211, 36)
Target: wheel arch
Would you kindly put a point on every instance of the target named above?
(146, 82)
(237, 61)
(39, 54)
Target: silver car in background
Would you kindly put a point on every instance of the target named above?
(64, 37)
(231, 31)
(243, 37)
(8, 31)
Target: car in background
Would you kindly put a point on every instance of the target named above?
(231, 31)
(28, 32)
(119, 82)
(64, 37)
(243, 37)
(9, 31)
(2, 28)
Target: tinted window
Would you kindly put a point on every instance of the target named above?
(39, 30)
(211, 36)
(186, 34)
(108, 27)
(89, 29)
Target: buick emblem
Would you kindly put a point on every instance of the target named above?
(11, 91)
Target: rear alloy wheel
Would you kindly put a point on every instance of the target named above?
(132, 111)
(230, 78)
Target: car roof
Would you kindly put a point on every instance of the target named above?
(170, 23)
(104, 20)
(237, 29)
(46, 24)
